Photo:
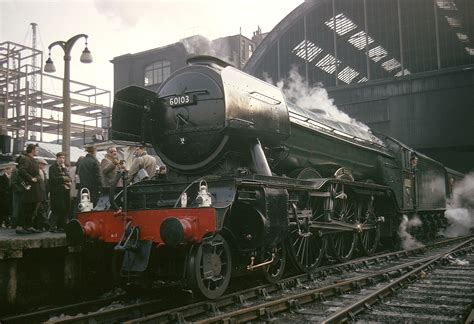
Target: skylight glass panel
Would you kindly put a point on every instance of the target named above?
(462, 37)
(446, 4)
(328, 64)
(360, 40)
(406, 72)
(313, 50)
(453, 22)
(364, 79)
(347, 75)
(470, 50)
(343, 24)
(377, 53)
(391, 65)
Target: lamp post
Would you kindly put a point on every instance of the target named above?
(86, 57)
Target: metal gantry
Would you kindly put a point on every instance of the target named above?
(26, 110)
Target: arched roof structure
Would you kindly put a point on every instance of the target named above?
(340, 42)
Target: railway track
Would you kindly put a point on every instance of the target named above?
(326, 288)
(343, 300)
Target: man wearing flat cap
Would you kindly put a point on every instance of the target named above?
(29, 173)
(40, 221)
(6, 193)
(59, 186)
(90, 175)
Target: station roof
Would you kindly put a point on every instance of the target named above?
(338, 42)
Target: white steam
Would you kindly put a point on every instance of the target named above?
(297, 91)
(460, 210)
(407, 240)
(220, 48)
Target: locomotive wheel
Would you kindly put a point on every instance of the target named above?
(305, 174)
(209, 267)
(369, 239)
(274, 271)
(306, 248)
(343, 244)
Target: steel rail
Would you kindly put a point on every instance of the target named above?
(180, 314)
(266, 310)
(348, 312)
(45, 314)
(147, 308)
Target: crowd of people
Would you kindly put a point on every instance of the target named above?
(34, 200)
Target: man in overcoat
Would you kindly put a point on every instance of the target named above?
(6, 193)
(90, 175)
(59, 188)
(110, 166)
(29, 173)
(142, 161)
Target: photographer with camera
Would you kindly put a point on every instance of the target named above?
(110, 166)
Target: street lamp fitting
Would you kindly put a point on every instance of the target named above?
(49, 66)
(86, 56)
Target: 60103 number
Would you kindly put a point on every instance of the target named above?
(183, 100)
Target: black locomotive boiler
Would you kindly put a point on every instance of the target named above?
(254, 182)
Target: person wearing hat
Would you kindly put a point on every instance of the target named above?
(110, 166)
(90, 175)
(29, 173)
(60, 186)
(18, 188)
(40, 222)
(6, 193)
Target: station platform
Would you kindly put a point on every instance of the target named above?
(12, 243)
(33, 263)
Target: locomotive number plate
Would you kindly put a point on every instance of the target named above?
(176, 101)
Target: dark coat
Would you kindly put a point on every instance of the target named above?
(6, 195)
(44, 186)
(90, 176)
(59, 187)
(29, 169)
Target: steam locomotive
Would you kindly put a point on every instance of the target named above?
(254, 183)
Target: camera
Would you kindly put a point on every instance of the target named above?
(25, 186)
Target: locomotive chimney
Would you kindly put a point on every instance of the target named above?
(207, 60)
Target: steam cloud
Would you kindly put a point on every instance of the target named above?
(297, 91)
(408, 241)
(460, 211)
(200, 45)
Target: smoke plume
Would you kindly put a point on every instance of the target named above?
(408, 241)
(296, 90)
(460, 210)
(200, 45)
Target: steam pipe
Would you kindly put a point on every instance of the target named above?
(258, 158)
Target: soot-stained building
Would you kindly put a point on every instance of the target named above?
(404, 67)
